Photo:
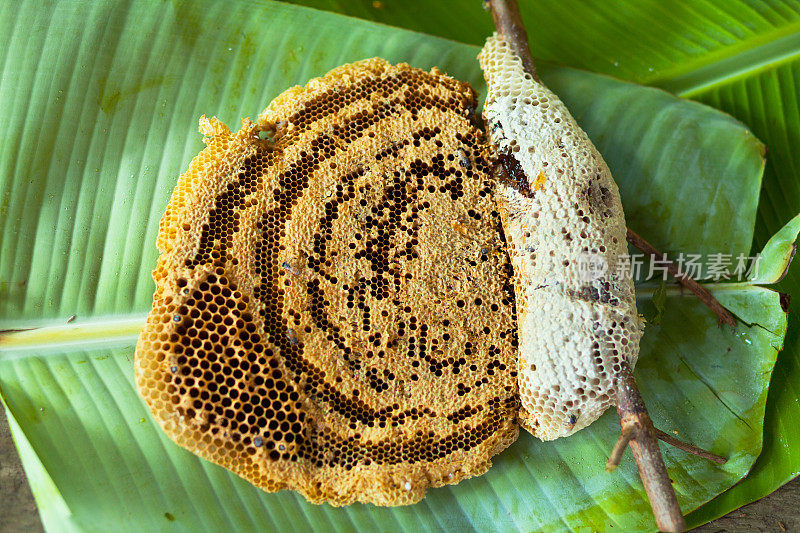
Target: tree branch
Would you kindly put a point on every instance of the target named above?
(508, 23)
(637, 428)
(723, 315)
(644, 445)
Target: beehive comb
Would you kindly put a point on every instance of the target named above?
(333, 309)
(561, 213)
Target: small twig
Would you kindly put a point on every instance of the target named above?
(644, 445)
(690, 448)
(619, 448)
(723, 315)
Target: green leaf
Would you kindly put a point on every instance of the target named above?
(674, 44)
(740, 56)
(778, 254)
(659, 301)
(101, 102)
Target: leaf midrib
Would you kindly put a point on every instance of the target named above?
(21, 339)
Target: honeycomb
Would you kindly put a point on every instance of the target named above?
(562, 214)
(334, 311)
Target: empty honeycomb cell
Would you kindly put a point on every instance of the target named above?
(334, 310)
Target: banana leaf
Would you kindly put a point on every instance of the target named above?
(100, 106)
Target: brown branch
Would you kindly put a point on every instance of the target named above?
(508, 23)
(619, 448)
(723, 315)
(690, 448)
(644, 445)
(637, 428)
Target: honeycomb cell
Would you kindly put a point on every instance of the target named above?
(334, 311)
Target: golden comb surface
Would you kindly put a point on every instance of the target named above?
(333, 309)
